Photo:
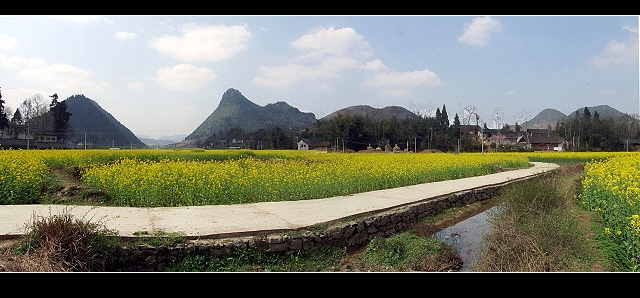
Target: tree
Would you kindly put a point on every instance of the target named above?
(4, 120)
(17, 120)
(444, 120)
(454, 134)
(58, 111)
(32, 109)
(469, 114)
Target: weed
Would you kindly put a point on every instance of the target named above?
(243, 260)
(537, 228)
(409, 252)
(159, 238)
(67, 242)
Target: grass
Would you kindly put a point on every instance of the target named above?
(66, 243)
(248, 260)
(60, 242)
(539, 227)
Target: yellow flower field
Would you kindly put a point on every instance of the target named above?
(154, 178)
(611, 189)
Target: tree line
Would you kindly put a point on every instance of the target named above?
(587, 132)
(355, 132)
(583, 131)
(35, 116)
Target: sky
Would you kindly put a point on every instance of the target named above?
(163, 75)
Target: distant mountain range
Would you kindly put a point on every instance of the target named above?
(161, 141)
(99, 128)
(550, 117)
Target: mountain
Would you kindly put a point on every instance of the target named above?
(550, 117)
(374, 113)
(544, 119)
(151, 142)
(174, 138)
(236, 111)
(100, 129)
(604, 112)
(161, 141)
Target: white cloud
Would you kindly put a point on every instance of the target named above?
(62, 77)
(286, 75)
(324, 54)
(334, 53)
(395, 92)
(7, 42)
(332, 42)
(17, 61)
(630, 28)
(138, 86)
(212, 43)
(511, 93)
(184, 77)
(477, 32)
(375, 65)
(619, 53)
(405, 79)
(125, 35)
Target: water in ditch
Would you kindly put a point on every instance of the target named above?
(466, 237)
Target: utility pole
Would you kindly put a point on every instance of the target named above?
(85, 141)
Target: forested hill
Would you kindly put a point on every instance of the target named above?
(236, 111)
(550, 117)
(376, 114)
(99, 127)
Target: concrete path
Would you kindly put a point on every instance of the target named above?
(222, 221)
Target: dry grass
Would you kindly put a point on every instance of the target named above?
(44, 259)
(539, 228)
(58, 243)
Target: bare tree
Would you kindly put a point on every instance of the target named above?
(523, 117)
(497, 118)
(470, 113)
(34, 110)
(422, 110)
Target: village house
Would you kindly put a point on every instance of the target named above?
(544, 140)
(633, 143)
(503, 137)
(531, 139)
(318, 145)
(473, 130)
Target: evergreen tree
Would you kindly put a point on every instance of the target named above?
(17, 120)
(60, 116)
(454, 133)
(444, 120)
(455, 129)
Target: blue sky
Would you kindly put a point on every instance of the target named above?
(164, 75)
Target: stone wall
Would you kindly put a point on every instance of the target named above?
(347, 233)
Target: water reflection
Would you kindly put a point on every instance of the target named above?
(466, 237)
